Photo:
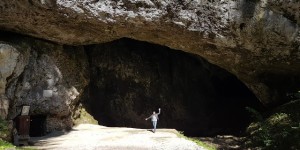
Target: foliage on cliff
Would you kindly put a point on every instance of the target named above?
(4, 130)
(84, 117)
(278, 129)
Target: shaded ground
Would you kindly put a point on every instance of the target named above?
(225, 142)
(89, 137)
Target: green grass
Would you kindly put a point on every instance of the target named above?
(197, 141)
(6, 145)
(9, 146)
(202, 144)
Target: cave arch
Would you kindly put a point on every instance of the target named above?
(129, 79)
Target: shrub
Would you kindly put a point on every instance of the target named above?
(279, 130)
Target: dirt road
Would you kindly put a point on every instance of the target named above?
(95, 137)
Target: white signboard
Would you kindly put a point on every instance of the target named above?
(47, 93)
(25, 110)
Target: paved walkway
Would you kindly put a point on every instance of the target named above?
(95, 137)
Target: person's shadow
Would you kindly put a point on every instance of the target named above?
(151, 130)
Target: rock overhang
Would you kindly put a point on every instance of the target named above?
(246, 37)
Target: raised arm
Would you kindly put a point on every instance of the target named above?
(158, 111)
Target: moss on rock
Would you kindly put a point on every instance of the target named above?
(84, 118)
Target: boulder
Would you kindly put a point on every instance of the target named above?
(48, 77)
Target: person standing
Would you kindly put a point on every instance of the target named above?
(154, 119)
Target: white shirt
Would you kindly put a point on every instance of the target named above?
(154, 117)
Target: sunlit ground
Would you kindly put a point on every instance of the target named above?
(87, 136)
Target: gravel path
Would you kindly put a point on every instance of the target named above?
(95, 137)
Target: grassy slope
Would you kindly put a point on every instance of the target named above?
(84, 117)
(279, 129)
(197, 141)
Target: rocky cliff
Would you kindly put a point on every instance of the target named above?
(46, 76)
(258, 41)
(120, 83)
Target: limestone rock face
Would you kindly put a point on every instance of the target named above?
(11, 65)
(120, 83)
(8, 62)
(51, 80)
(258, 41)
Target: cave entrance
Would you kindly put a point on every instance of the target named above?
(37, 125)
(130, 79)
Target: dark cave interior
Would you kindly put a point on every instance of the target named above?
(37, 125)
(129, 79)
